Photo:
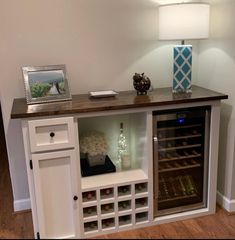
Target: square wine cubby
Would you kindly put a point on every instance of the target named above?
(124, 205)
(89, 211)
(141, 217)
(89, 196)
(141, 188)
(90, 226)
(106, 193)
(124, 190)
(107, 208)
(141, 202)
(125, 220)
(108, 223)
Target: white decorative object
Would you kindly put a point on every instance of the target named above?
(108, 93)
(94, 145)
(183, 21)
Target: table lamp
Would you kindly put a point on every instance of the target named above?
(183, 21)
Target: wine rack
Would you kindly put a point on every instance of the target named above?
(180, 160)
(115, 207)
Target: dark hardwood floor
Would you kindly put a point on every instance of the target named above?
(19, 225)
(12, 225)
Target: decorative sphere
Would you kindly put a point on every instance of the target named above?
(141, 83)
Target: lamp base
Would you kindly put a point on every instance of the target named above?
(182, 81)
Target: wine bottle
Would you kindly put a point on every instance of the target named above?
(139, 187)
(165, 189)
(169, 145)
(89, 195)
(193, 162)
(160, 135)
(107, 192)
(92, 225)
(177, 165)
(89, 211)
(183, 189)
(190, 184)
(174, 189)
(168, 155)
(195, 131)
(186, 153)
(194, 152)
(106, 208)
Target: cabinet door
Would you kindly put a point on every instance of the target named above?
(55, 179)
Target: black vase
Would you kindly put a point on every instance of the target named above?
(141, 83)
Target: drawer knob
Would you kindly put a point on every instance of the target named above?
(75, 198)
(52, 134)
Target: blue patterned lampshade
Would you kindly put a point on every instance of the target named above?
(182, 22)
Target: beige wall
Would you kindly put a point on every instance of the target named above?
(102, 42)
(216, 70)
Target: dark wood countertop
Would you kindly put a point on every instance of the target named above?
(125, 100)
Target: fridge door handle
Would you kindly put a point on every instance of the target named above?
(155, 175)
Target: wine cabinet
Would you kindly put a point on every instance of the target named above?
(180, 160)
(171, 152)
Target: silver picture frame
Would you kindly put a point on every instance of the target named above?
(44, 84)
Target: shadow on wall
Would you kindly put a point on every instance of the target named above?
(222, 31)
(226, 113)
(102, 43)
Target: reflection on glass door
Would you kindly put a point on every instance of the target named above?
(180, 159)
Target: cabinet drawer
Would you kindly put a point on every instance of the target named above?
(51, 134)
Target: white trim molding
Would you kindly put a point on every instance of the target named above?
(22, 205)
(228, 205)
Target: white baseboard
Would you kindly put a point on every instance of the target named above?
(228, 205)
(22, 205)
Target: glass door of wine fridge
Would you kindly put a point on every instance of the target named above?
(181, 141)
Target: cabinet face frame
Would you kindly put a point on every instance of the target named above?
(53, 158)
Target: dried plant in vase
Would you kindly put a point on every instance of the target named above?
(94, 145)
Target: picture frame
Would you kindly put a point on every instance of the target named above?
(45, 84)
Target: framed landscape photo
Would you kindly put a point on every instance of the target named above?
(45, 84)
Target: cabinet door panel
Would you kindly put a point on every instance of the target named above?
(55, 187)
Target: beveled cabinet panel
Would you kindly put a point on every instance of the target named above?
(56, 193)
(51, 134)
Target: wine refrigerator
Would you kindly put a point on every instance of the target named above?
(181, 155)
